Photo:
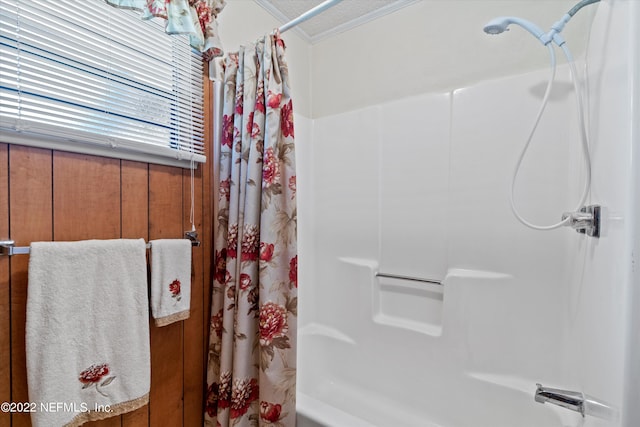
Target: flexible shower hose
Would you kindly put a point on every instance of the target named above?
(583, 138)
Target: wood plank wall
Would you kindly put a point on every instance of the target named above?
(48, 195)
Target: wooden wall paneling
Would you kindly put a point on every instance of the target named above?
(194, 370)
(86, 197)
(135, 200)
(109, 422)
(50, 195)
(135, 224)
(30, 203)
(207, 214)
(137, 418)
(5, 295)
(197, 326)
(167, 347)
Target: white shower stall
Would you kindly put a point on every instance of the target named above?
(407, 133)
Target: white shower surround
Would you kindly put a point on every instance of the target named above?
(418, 187)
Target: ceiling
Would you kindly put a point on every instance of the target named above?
(341, 17)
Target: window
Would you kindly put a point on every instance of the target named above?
(87, 77)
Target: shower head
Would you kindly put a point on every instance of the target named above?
(500, 24)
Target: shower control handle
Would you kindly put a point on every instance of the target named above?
(585, 221)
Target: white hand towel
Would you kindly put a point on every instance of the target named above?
(170, 280)
(87, 331)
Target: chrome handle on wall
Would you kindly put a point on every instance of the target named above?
(411, 278)
(567, 399)
(576, 401)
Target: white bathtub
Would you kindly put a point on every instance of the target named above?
(315, 413)
(342, 386)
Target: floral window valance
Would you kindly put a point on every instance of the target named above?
(197, 18)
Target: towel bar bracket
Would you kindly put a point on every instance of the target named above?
(193, 236)
(8, 248)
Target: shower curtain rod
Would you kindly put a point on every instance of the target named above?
(309, 14)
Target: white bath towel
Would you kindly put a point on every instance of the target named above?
(87, 331)
(170, 280)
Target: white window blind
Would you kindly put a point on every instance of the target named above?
(84, 76)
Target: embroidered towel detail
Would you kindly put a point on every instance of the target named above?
(170, 280)
(87, 330)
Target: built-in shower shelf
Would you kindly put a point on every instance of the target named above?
(409, 303)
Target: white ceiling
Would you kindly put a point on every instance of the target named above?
(341, 17)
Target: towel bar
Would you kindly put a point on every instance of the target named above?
(9, 248)
(414, 279)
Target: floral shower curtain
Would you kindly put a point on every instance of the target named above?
(252, 346)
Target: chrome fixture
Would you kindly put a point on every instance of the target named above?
(8, 248)
(411, 278)
(576, 401)
(585, 221)
(567, 399)
(193, 236)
